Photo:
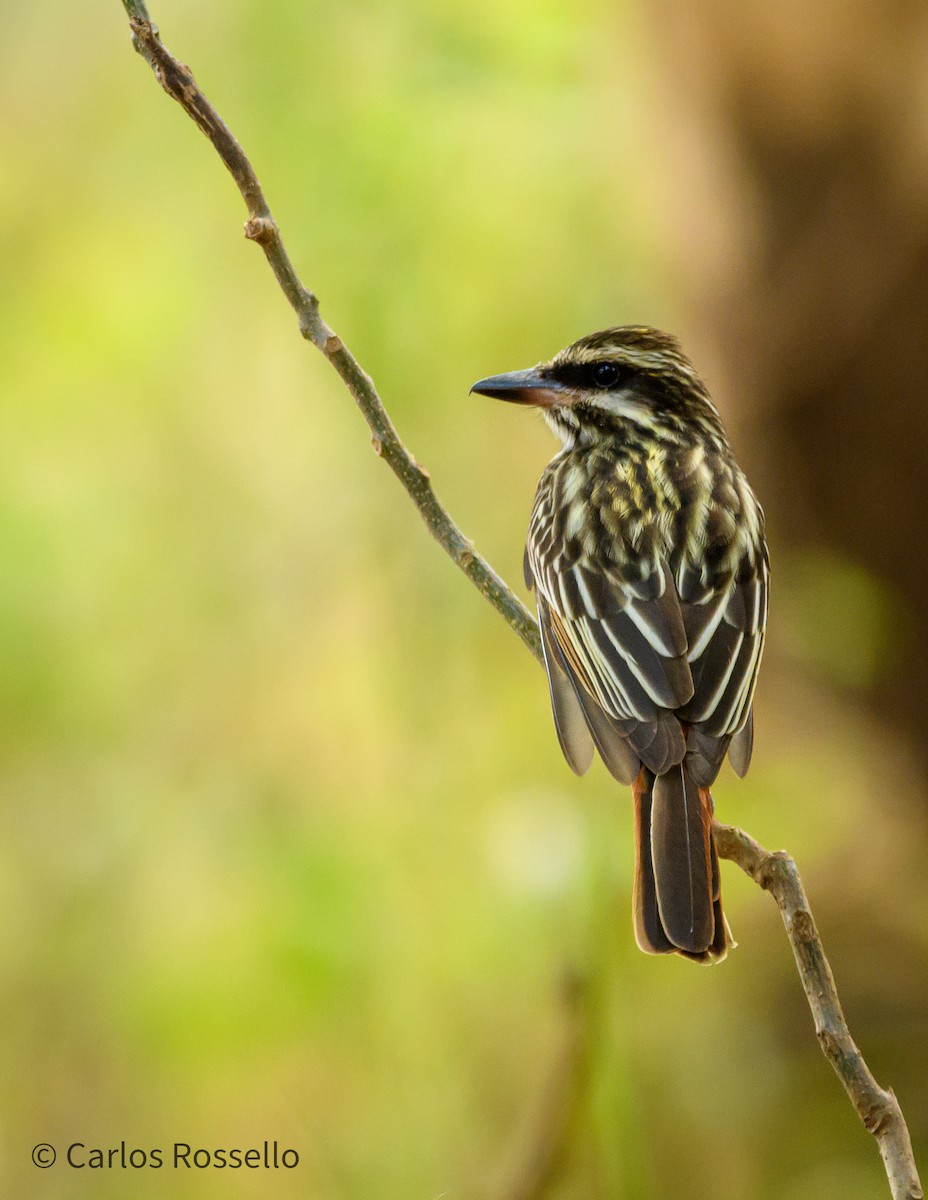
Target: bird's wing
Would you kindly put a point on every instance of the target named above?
(622, 645)
(570, 721)
(725, 632)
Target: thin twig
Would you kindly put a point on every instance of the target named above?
(177, 80)
(777, 873)
(877, 1107)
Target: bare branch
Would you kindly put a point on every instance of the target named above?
(177, 80)
(777, 873)
(878, 1108)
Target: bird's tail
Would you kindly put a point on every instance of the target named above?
(677, 903)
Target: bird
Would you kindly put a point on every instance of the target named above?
(648, 558)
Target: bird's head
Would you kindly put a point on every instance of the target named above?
(611, 384)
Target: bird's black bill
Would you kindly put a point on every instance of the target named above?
(522, 387)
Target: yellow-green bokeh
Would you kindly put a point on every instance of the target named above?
(288, 849)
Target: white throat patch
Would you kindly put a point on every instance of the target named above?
(627, 407)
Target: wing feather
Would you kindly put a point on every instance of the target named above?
(572, 732)
(667, 680)
(609, 738)
(725, 673)
(625, 689)
(742, 746)
(701, 621)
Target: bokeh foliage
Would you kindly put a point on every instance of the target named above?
(288, 847)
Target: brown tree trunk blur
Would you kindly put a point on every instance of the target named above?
(797, 136)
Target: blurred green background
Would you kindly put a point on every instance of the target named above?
(288, 848)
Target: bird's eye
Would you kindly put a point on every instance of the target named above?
(605, 374)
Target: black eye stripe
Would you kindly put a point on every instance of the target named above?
(602, 374)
